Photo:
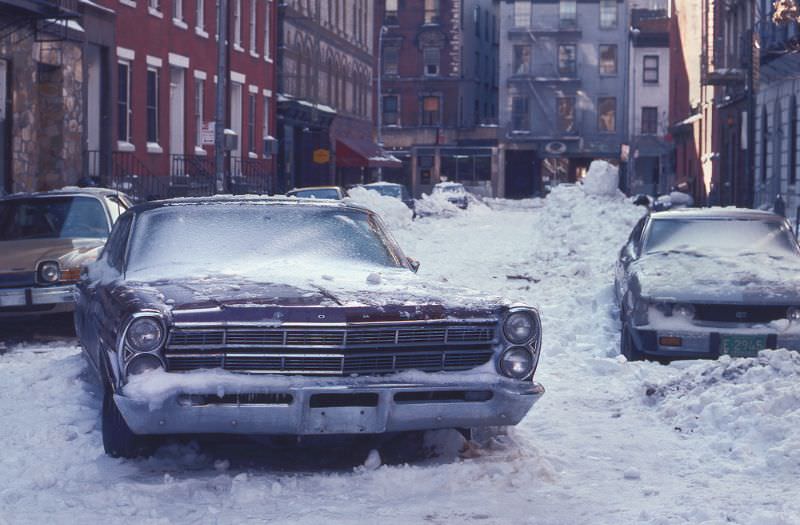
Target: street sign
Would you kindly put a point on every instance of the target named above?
(322, 156)
(207, 133)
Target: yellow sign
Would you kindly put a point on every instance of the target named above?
(322, 156)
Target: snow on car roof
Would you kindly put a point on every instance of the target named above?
(249, 199)
(449, 184)
(65, 191)
(716, 212)
(382, 183)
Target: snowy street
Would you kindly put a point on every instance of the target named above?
(611, 442)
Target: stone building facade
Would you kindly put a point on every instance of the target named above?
(41, 103)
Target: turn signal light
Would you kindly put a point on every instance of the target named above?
(670, 341)
(70, 275)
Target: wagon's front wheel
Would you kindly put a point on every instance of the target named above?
(119, 441)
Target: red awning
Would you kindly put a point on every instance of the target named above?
(360, 153)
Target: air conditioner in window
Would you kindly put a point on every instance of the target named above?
(270, 146)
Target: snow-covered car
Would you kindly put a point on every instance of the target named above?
(45, 238)
(394, 190)
(317, 192)
(700, 283)
(286, 316)
(454, 192)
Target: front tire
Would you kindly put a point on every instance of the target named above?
(119, 441)
(627, 346)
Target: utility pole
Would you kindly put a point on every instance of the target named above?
(383, 31)
(219, 109)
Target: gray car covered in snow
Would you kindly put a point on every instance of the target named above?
(700, 283)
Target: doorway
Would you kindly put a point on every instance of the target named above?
(5, 128)
(523, 177)
(177, 120)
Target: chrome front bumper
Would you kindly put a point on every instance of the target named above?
(314, 410)
(704, 342)
(36, 296)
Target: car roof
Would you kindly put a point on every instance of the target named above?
(447, 184)
(716, 213)
(63, 192)
(382, 183)
(232, 200)
(312, 188)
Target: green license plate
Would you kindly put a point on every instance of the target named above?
(742, 345)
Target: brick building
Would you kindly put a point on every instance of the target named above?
(162, 94)
(326, 68)
(439, 91)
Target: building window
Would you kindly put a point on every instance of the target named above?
(568, 13)
(522, 13)
(177, 9)
(567, 63)
(251, 123)
(431, 57)
(607, 114)
(265, 125)
(608, 59)
(200, 14)
(608, 14)
(268, 30)
(565, 108)
(124, 102)
(152, 105)
(431, 111)
(252, 21)
(520, 115)
(650, 69)
(199, 104)
(390, 12)
(216, 19)
(390, 110)
(391, 59)
(237, 23)
(522, 60)
(431, 11)
(649, 120)
(476, 20)
(154, 5)
(793, 140)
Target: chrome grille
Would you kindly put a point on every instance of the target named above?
(333, 337)
(329, 364)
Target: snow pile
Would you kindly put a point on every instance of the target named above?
(395, 214)
(602, 179)
(752, 404)
(436, 204)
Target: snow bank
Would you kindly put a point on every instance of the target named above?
(394, 213)
(436, 204)
(748, 404)
(602, 179)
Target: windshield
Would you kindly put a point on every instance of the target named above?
(387, 190)
(318, 193)
(733, 236)
(255, 239)
(52, 218)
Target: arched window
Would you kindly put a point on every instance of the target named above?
(793, 140)
(764, 139)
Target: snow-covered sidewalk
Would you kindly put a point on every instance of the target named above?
(610, 443)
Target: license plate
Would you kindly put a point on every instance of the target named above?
(742, 345)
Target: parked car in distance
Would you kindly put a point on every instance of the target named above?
(392, 189)
(45, 238)
(308, 320)
(317, 192)
(454, 192)
(700, 283)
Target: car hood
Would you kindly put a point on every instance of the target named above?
(226, 299)
(24, 255)
(747, 278)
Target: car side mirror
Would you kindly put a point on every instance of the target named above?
(414, 264)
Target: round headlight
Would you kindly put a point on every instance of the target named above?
(516, 362)
(519, 327)
(49, 272)
(793, 314)
(683, 310)
(144, 335)
(143, 363)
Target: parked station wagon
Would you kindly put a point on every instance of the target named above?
(290, 317)
(45, 238)
(700, 283)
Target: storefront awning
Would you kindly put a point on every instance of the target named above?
(361, 153)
